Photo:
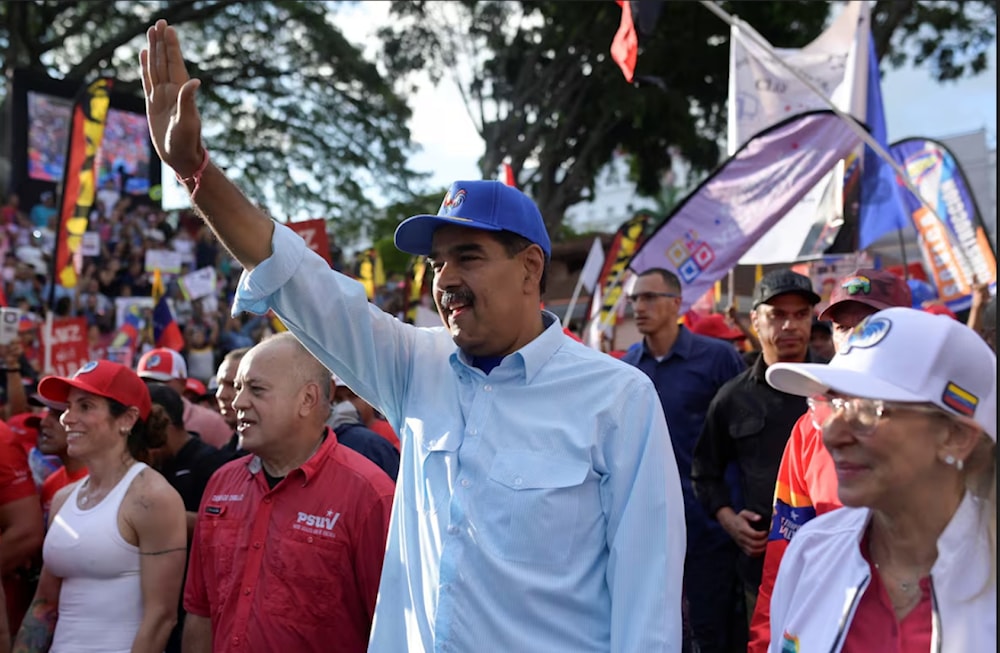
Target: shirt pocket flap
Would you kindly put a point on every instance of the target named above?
(745, 427)
(525, 470)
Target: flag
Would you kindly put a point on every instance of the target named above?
(711, 228)
(592, 267)
(166, 331)
(122, 346)
(763, 93)
(625, 46)
(607, 295)
(956, 248)
(508, 175)
(86, 131)
(370, 272)
(881, 206)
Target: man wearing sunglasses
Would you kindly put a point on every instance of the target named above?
(688, 370)
(807, 482)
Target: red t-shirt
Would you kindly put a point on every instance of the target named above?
(15, 483)
(56, 481)
(295, 567)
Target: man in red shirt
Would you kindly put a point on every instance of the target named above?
(52, 442)
(21, 525)
(807, 481)
(288, 546)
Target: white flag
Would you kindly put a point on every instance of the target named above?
(591, 271)
(763, 93)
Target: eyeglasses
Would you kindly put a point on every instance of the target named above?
(861, 415)
(648, 296)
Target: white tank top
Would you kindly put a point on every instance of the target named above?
(100, 603)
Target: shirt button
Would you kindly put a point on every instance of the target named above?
(465, 482)
(236, 641)
(257, 545)
(309, 539)
(267, 499)
(518, 481)
(473, 431)
(246, 591)
(487, 387)
(453, 530)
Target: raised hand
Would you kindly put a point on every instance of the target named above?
(174, 122)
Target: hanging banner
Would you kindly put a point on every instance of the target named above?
(956, 249)
(90, 111)
(708, 232)
(624, 246)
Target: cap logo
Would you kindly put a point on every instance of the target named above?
(856, 285)
(959, 400)
(153, 361)
(453, 201)
(868, 334)
(89, 366)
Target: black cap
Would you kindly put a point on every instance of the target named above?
(781, 282)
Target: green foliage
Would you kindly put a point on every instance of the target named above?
(546, 95)
(291, 109)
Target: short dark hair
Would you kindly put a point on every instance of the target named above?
(668, 277)
(514, 244)
(173, 405)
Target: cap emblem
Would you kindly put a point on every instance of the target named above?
(89, 366)
(453, 201)
(867, 334)
(856, 285)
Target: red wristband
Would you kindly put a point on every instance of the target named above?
(196, 175)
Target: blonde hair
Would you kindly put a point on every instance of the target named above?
(981, 482)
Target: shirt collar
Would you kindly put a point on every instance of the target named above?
(310, 467)
(531, 357)
(681, 347)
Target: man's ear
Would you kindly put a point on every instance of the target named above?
(533, 260)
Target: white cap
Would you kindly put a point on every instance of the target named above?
(162, 364)
(906, 355)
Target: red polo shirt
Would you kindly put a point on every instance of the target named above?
(16, 483)
(295, 568)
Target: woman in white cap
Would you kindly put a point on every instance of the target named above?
(908, 414)
(114, 554)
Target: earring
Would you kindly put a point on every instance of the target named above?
(124, 431)
(949, 460)
(959, 464)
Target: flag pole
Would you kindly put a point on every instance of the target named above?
(851, 121)
(572, 302)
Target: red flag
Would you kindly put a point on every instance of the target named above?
(625, 47)
(508, 175)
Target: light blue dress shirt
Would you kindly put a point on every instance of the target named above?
(537, 508)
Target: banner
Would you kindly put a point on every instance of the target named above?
(166, 331)
(955, 249)
(763, 92)
(416, 286)
(86, 131)
(68, 345)
(200, 283)
(314, 233)
(708, 232)
(607, 297)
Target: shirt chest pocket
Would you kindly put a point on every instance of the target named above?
(533, 505)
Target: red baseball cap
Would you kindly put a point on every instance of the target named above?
(162, 364)
(714, 325)
(25, 429)
(104, 379)
(195, 386)
(939, 309)
(876, 288)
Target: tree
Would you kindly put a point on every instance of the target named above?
(544, 94)
(291, 108)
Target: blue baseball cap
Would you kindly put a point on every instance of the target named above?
(486, 205)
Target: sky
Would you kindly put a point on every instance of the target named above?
(915, 105)
(449, 146)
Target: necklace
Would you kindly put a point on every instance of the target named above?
(907, 586)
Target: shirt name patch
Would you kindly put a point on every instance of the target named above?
(227, 497)
(317, 524)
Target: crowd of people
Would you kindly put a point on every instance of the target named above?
(357, 483)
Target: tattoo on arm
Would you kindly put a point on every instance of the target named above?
(37, 628)
(163, 552)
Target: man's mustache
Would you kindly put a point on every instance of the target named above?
(460, 296)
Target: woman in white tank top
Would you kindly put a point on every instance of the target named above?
(113, 558)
